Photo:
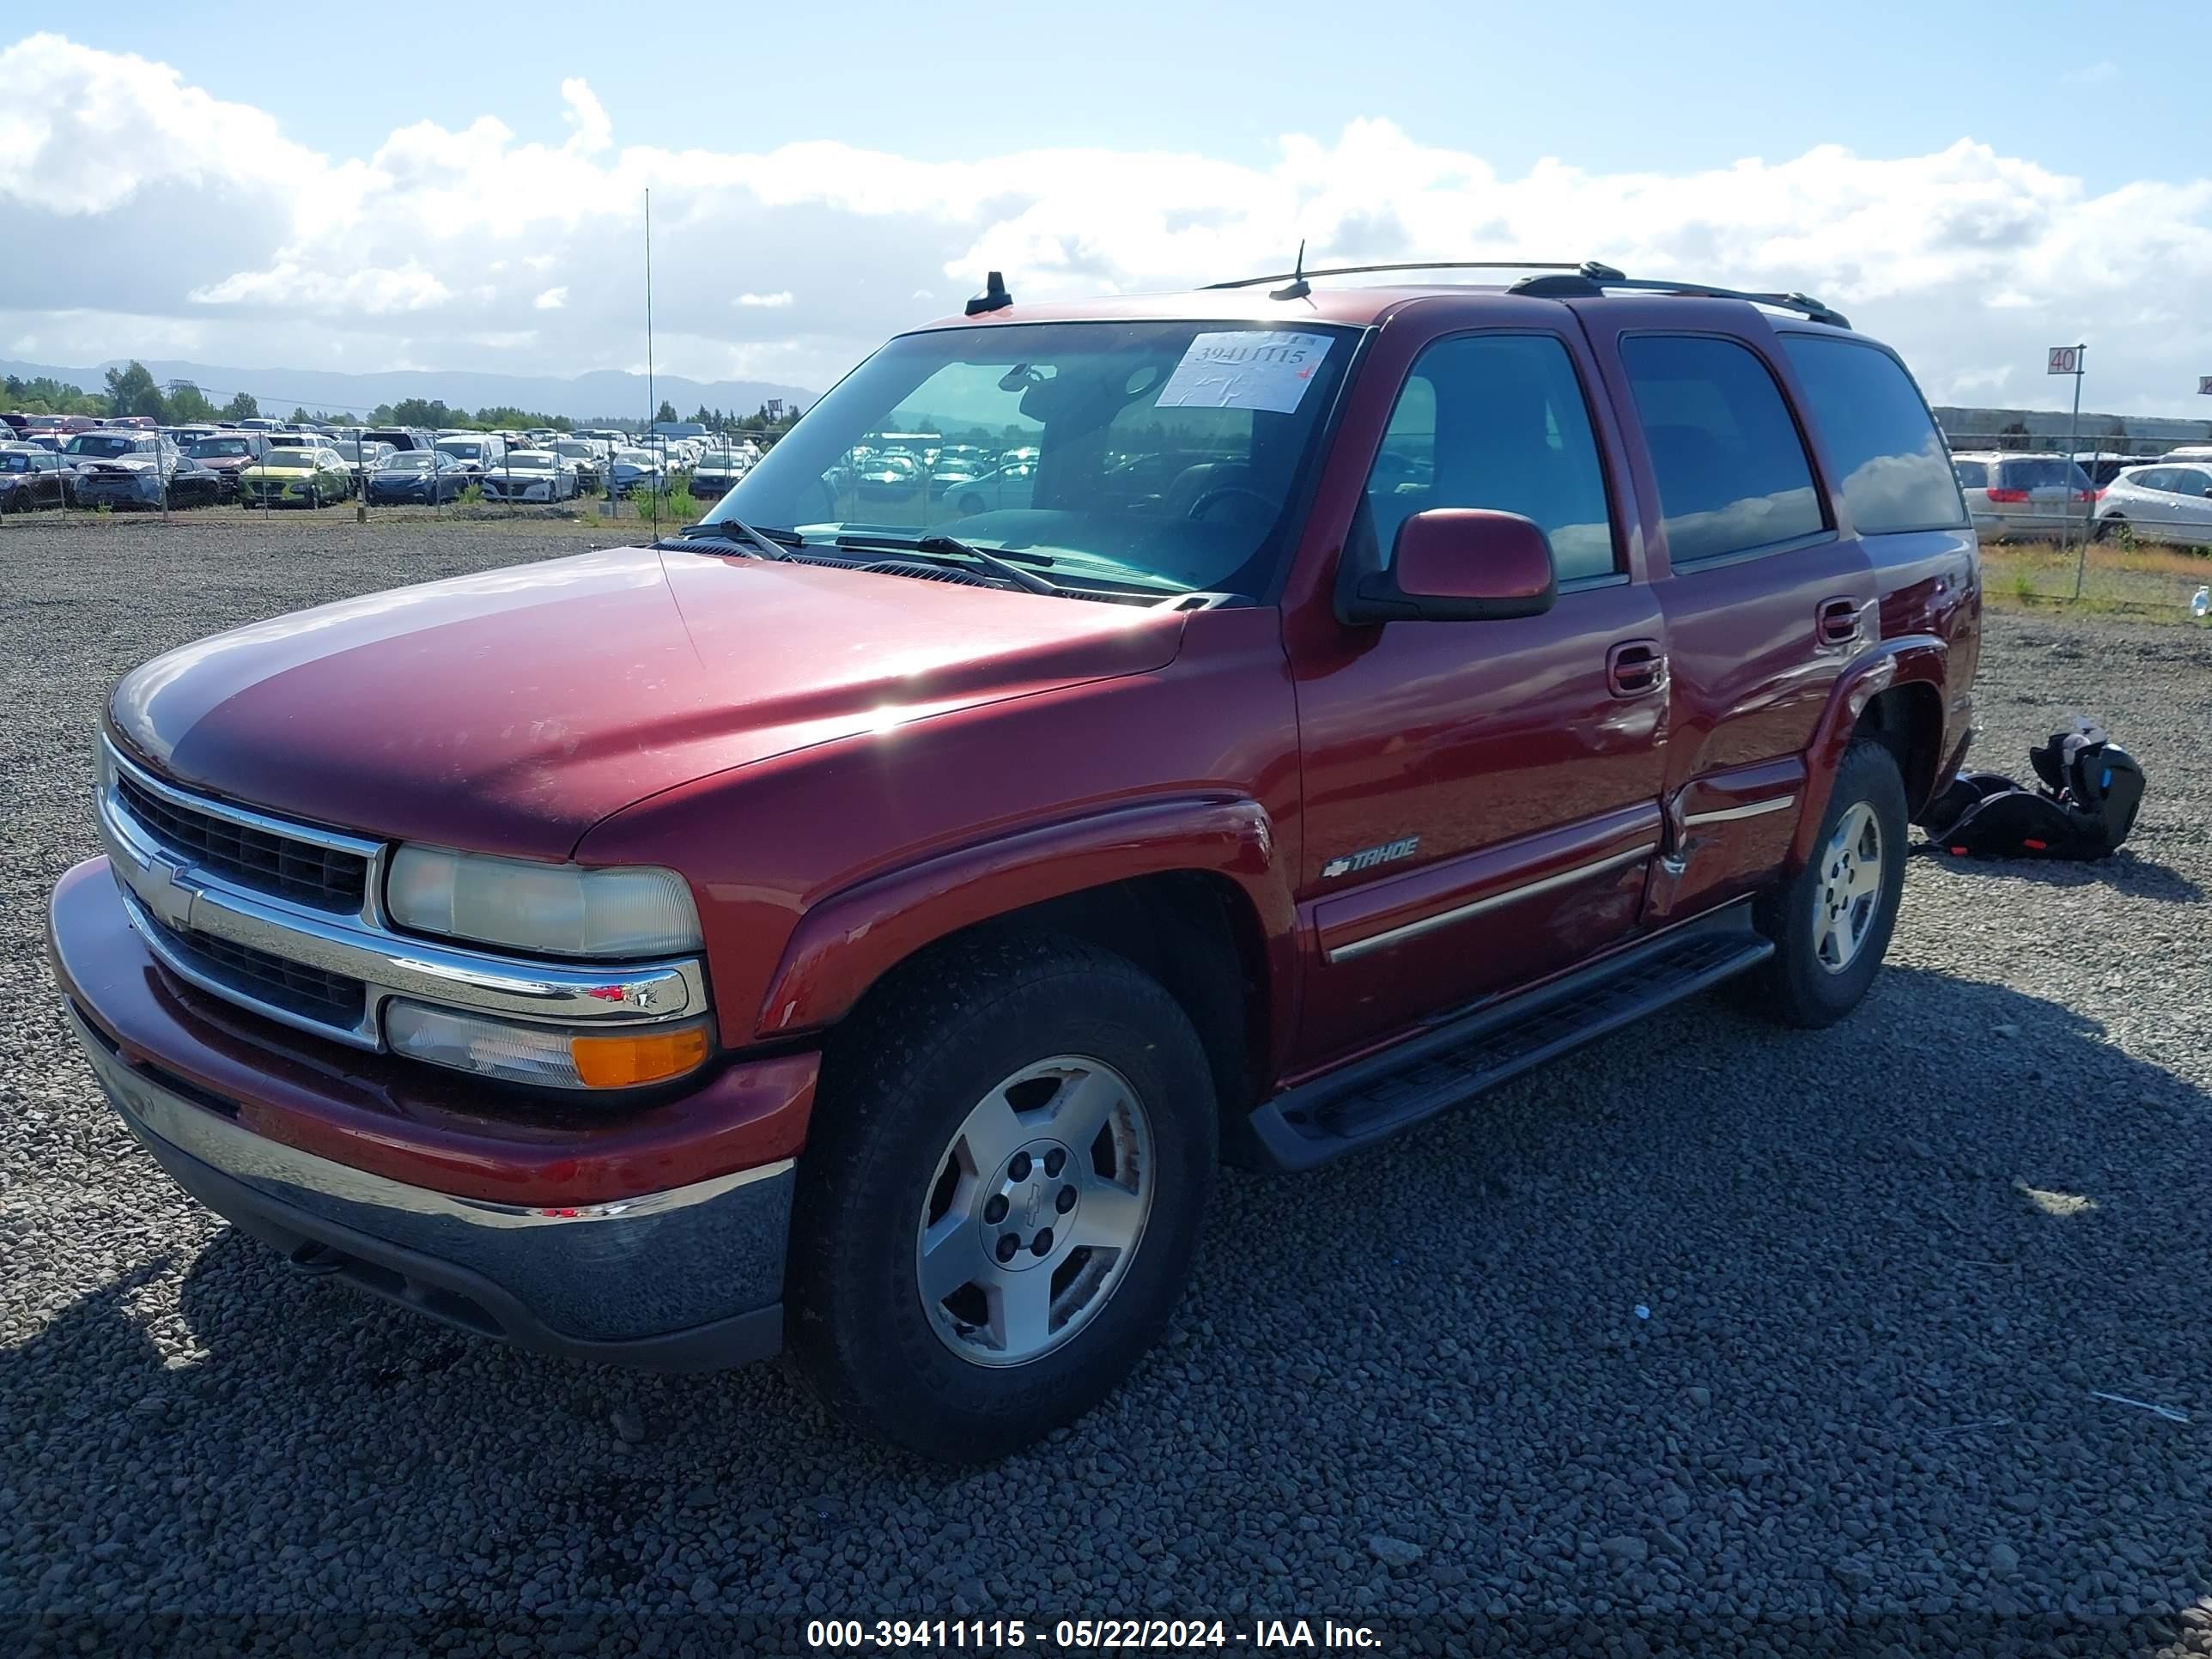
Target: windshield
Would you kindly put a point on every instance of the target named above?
(102, 443)
(464, 448)
(1164, 454)
(289, 460)
(413, 460)
(527, 460)
(210, 449)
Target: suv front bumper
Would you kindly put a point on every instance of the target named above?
(683, 1277)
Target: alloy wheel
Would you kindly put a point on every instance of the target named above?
(1849, 894)
(1036, 1212)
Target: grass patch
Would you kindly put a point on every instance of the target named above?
(2118, 576)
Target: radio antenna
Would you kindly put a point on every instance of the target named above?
(652, 491)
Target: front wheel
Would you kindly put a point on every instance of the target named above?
(1000, 1199)
(1831, 922)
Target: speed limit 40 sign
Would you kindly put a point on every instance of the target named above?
(2065, 360)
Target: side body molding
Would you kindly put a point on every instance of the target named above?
(847, 941)
(1908, 659)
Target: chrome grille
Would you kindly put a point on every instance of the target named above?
(293, 987)
(324, 877)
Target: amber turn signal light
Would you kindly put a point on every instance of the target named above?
(624, 1062)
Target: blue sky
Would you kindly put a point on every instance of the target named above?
(327, 188)
(1610, 89)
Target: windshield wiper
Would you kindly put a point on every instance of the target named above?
(767, 543)
(952, 547)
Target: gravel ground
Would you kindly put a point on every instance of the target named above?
(1888, 1269)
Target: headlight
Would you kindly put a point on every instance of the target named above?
(564, 909)
(547, 1056)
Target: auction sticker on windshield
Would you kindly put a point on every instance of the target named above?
(1264, 368)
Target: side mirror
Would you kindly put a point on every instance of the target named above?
(1458, 564)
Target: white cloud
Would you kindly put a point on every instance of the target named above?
(133, 204)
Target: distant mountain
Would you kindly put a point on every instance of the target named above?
(603, 391)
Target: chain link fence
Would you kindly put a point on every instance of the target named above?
(2127, 527)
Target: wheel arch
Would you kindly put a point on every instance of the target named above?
(1188, 891)
(1896, 692)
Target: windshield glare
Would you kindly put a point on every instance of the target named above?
(1154, 454)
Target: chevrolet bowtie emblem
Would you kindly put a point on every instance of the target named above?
(165, 893)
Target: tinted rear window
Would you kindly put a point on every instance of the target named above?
(1971, 475)
(2041, 472)
(1896, 474)
(1732, 471)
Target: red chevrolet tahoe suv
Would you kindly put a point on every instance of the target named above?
(858, 925)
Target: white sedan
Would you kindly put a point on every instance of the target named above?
(2162, 502)
(530, 475)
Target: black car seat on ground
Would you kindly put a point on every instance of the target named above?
(2092, 790)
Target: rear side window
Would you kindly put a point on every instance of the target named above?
(1732, 471)
(1497, 421)
(1896, 473)
(2190, 480)
(1971, 475)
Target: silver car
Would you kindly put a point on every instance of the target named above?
(2026, 495)
(2162, 502)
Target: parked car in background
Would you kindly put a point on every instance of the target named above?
(2164, 503)
(632, 467)
(228, 454)
(295, 477)
(1013, 485)
(119, 466)
(2101, 467)
(530, 475)
(2189, 452)
(588, 459)
(478, 452)
(194, 484)
(360, 456)
(403, 439)
(418, 477)
(32, 477)
(2027, 495)
(717, 471)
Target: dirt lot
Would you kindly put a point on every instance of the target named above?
(1889, 1270)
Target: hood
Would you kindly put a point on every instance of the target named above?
(511, 710)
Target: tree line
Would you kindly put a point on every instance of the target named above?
(133, 390)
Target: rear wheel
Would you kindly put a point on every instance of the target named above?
(1831, 922)
(999, 1204)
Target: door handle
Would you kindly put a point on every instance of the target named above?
(1837, 622)
(1635, 668)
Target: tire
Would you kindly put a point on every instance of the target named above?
(1802, 984)
(2112, 525)
(896, 1163)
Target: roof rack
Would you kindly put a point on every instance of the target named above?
(1563, 280)
(1586, 284)
(1425, 265)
